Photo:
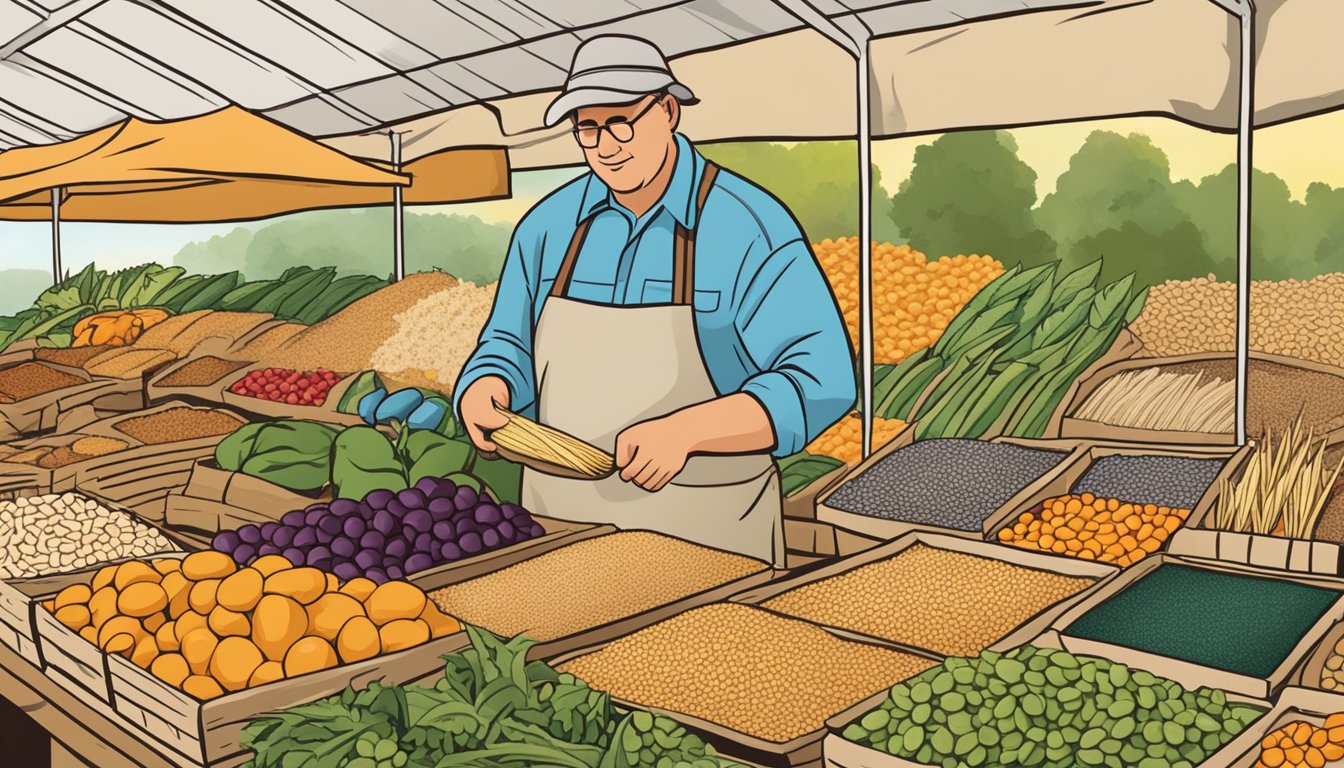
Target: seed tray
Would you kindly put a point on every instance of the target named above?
(1211, 638)
(1167, 480)
(950, 485)
(39, 413)
(1034, 621)
(158, 390)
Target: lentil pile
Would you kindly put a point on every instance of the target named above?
(590, 583)
(175, 424)
(65, 532)
(31, 379)
(125, 363)
(1332, 672)
(948, 483)
(947, 602)
(1171, 481)
(1242, 624)
(1095, 528)
(1037, 706)
(201, 372)
(436, 335)
(913, 298)
(744, 668)
(843, 440)
(1303, 745)
(1294, 318)
(73, 357)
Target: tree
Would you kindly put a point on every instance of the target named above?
(969, 192)
(817, 180)
(1280, 248)
(1322, 233)
(219, 254)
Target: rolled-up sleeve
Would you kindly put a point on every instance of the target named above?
(505, 346)
(792, 331)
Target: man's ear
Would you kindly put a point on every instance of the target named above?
(673, 109)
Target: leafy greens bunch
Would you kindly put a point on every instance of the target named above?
(491, 709)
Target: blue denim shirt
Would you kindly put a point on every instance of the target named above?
(767, 322)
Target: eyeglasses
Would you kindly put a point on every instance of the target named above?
(621, 129)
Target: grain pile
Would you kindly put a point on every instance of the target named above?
(946, 483)
(128, 363)
(436, 335)
(1172, 481)
(1278, 393)
(176, 424)
(182, 333)
(1093, 528)
(913, 298)
(73, 357)
(31, 379)
(200, 372)
(947, 602)
(347, 340)
(590, 583)
(1294, 318)
(744, 668)
(1332, 673)
(843, 440)
(65, 532)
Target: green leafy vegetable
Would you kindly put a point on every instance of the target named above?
(364, 460)
(291, 454)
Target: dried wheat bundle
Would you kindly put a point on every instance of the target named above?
(527, 438)
(1158, 400)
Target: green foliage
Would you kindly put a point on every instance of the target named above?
(800, 470)
(492, 708)
(364, 459)
(970, 193)
(291, 454)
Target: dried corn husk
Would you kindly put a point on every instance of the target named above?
(1285, 486)
(1158, 400)
(548, 450)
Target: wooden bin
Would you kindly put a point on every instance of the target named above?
(1025, 632)
(39, 413)
(272, 410)
(1089, 452)
(884, 529)
(206, 733)
(210, 393)
(1191, 674)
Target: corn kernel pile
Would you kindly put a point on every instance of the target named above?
(913, 298)
(1299, 744)
(843, 440)
(744, 668)
(1092, 528)
(947, 602)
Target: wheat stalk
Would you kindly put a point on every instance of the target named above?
(528, 438)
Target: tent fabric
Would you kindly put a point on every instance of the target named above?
(343, 67)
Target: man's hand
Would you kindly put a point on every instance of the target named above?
(653, 452)
(478, 409)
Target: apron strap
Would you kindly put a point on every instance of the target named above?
(683, 249)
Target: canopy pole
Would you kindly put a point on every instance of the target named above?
(1245, 169)
(865, 136)
(398, 234)
(56, 235)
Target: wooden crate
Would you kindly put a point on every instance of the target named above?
(40, 413)
(558, 533)
(1187, 673)
(1023, 633)
(271, 410)
(205, 733)
(72, 661)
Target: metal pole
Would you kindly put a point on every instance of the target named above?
(865, 136)
(398, 236)
(1245, 167)
(56, 235)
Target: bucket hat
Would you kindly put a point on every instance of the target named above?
(615, 69)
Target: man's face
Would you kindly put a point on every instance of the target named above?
(630, 165)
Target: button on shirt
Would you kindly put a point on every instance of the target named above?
(767, 322)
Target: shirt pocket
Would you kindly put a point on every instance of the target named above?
(660, 292)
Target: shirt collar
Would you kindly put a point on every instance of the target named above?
(678, 199)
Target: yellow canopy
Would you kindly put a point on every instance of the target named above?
(229, 165)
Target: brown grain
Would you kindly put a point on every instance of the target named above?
(947, 602)
(60, 458)
(128, 363)
(201, 372)
(98, 446)
(590, 583)
(183, 333)
(73, 357)
(744, 668)
(31, 379)
(1277, 393)
(175, 424)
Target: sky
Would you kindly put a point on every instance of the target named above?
(1300, 152)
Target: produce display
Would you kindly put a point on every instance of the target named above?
(914, 298)
(1009, 357)
(55, 533)
(115, 328)
(944, 601)
(386, 535)
(1289, 317)
(201, 372)
(1042, 707)
(1172, 481)
(182, 423)
(1095, 528)
(590, 583)
(435, 335)
(491, 707)
(547, 446)
(1303, 745)
(1234, 622)
(1160, 400)
(843, 440)
(946, 483)
(743, 668)
(800, 470)
(1283, 487)
(205, 626)
(27, 380)
(282, 385)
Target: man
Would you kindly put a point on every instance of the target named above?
(665, 311)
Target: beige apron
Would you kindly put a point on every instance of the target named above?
(602, 368)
